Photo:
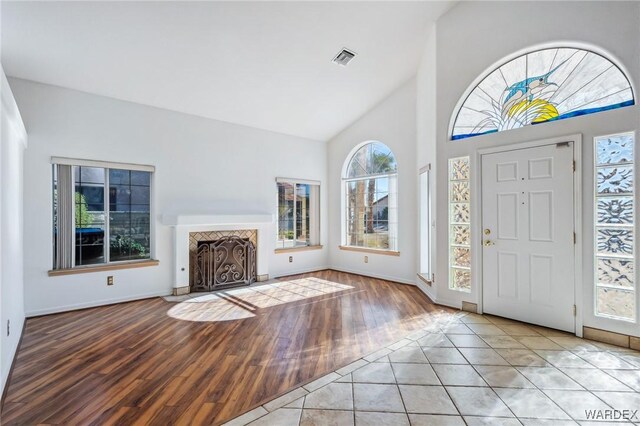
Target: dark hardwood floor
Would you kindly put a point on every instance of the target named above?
(155, 362)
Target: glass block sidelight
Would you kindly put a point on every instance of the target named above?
(460, 279)
(461, 257)
(614, 236)
(460, 213)
(615, 180)
(460, 192)
(614, 241)
(459, 225)
(460, 235)
(616, 303)
(615, 272)
(615, 211)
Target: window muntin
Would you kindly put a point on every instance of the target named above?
(111, 210)
(374, 158)
(459, 225)
(298, 214)
(545, 85)
(614, 266)
(371, 198)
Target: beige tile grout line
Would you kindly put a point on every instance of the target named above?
(353, 397)
(510, 365)
(533, 384)
(406, 412)
(447, 390)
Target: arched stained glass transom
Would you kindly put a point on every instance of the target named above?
(545, 85)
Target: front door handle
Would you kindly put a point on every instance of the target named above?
(488, 243)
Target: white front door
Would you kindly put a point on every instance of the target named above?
(528, 235)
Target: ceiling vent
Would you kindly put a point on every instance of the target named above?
(344, 57)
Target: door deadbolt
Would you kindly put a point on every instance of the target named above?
(487, 231)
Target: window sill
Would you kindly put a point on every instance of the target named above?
(101, 268)
(370, 250)
(425, 280)
(294, 249)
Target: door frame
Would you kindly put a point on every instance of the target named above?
(476, 242)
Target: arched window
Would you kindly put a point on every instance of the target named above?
(545, 85)
(370, 188)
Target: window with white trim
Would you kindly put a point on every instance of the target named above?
(459, 225)
(425, 223)
(101, 213)
(298, 213)
(371, 199)
(615, 288)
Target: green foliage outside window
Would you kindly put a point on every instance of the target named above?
(125, 245)
(84, 219)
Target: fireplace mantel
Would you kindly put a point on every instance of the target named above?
(183, 224)
(215, 219)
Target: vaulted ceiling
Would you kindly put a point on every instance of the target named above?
(261, 64)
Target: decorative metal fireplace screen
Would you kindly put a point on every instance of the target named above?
(228, 261)
(220, 259)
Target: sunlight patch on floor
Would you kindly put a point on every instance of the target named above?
(241, 303)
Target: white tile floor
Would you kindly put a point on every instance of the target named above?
(469, 369)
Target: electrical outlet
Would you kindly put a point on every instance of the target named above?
(110, 280)
(8, 327)
(366, 259)
(290, 259)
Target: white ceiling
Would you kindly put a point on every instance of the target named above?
(261, 64)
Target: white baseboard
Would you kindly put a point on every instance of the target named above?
(429, 291)
(95, 303)
(379, 276)
(12, 356)
(300, 271)
(455, 304)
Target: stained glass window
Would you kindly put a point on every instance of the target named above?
(459, 225)
(614, 227)
(371, 206)
(541, 86)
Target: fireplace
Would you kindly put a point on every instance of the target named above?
(222, 259)
(189, 229)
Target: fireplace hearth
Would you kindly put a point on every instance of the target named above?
(229, 261)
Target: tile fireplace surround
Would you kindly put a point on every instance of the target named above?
(187, 225)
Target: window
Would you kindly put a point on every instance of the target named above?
(615, 291)
(298, 213)
(541, 86)
(101, 214)
(425, 223)
(459, 225)
(371, 198)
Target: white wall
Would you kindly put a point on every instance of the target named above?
(198, 164)
(12, 143)
(426, 145)
(201, 165)
(392, 122)
(473, 36)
